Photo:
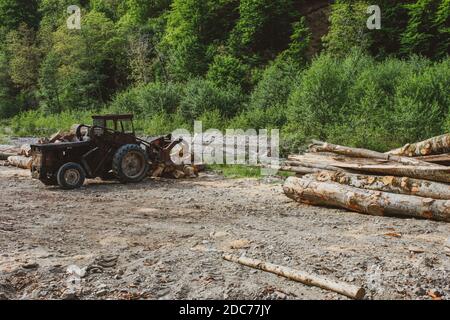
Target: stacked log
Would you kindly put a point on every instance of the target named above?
(433, 146)
(369, 182)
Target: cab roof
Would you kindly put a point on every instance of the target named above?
(113, 117)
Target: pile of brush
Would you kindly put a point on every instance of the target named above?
(413, 181)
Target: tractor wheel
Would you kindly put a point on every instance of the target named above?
(71, 176)
(130, 163)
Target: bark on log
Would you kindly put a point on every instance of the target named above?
(319, 146)
(6, 155)
(298, 169)
(25, 150)
(435, 145)
(398, 185)
(20, 162)
(442, 159)
(433, 173)
(343, 288)
(310, 191)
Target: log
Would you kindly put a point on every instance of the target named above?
(298, 169)
(442, 159)
(351, 291)
(435, 145)
(25, 150)
(398, 185)
(319, 146)
(433, 172)
(308, 190)
(20, 162)
(6, 155)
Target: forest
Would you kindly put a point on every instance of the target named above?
(312, 69)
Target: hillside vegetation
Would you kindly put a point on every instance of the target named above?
(310, 68)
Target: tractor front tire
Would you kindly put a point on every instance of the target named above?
(130, 164)
(70, 176)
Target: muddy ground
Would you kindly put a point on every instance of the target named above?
(163, 239)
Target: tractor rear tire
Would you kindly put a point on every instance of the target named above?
(71, 176)
(130, 163)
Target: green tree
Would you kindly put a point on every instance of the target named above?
(394, 18)
(13, 13)
(24, 57)
(226, 70)
(7, 107)
(299, 44)
(348, 27)
(48, 84)
(195, 29)
(442, 22)
(263, 28)
(421, 34)
(91, 62)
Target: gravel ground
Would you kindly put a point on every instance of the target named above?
(163, 239)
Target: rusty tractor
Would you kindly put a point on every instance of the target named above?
(107, 149)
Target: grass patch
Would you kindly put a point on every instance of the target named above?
(236, 171)
(242, 171)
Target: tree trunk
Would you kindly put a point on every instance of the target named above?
(433, 172)
(442, 159)
(319, 146)
(343, 288)
(310, 191)
(298, 169)
(399, 185)
(435, 145)
(6, 155)
(20, 162)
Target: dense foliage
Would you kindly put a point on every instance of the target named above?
(230, 63)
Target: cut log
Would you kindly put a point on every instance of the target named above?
(399, 185)
(308, 190)
(20, 162)
(435, 145)
(319, 146)
(25, 150)
(442, 159)
(298, 169)
(6, 155)
(309, 279)
(433, 173)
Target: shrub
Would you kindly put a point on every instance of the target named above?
(38, 123)
(360, 102)
(226, 70)
(149, 99)
(201, 96)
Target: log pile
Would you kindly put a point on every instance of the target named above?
(412, 181)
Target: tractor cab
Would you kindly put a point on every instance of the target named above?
(119, 123)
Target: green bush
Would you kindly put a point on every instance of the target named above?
(201, 96)
(360, 102)
(160, 124)
(150, 99)
(422, 102)
(226, 70)
(268, 99)
(38, 123)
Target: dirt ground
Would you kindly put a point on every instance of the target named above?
(164, 239)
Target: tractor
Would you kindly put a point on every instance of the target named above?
(109, 148)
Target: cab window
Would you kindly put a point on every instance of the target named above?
(126, 126)
(110, 125)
